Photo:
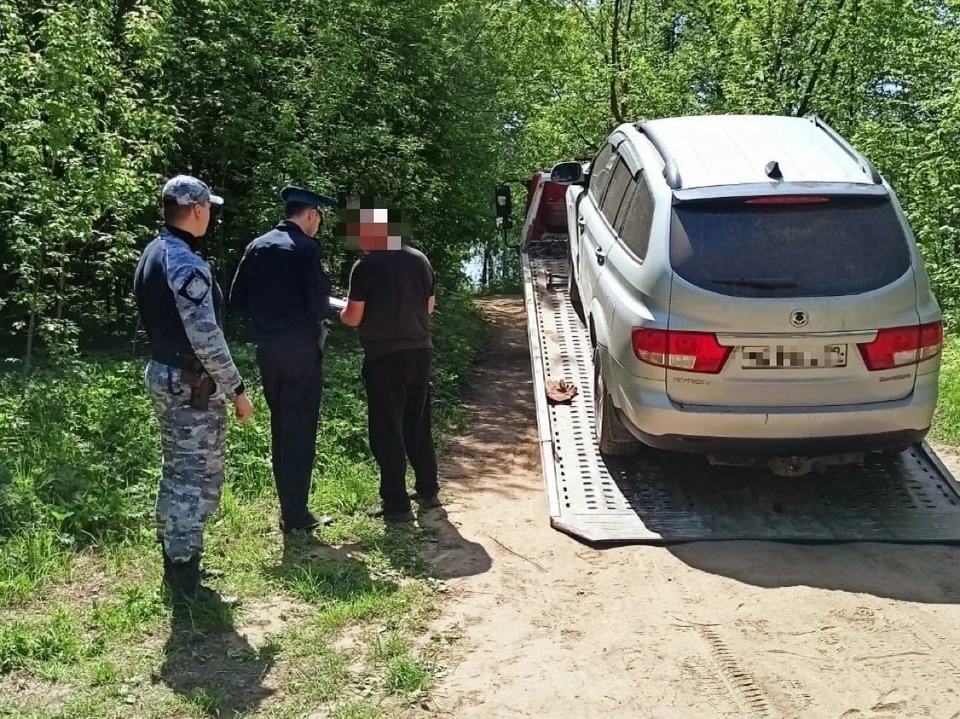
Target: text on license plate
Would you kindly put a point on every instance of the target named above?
(789, 357)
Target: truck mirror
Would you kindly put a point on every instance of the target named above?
(567, 172)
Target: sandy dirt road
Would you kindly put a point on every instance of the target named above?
(549, 627)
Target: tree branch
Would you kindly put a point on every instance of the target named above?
(580, 5)
(821, 56)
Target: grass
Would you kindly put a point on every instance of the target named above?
(946, 427)
(408, 675)
(334, 626)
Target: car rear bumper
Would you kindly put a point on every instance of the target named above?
(648, 413)
(792, 447)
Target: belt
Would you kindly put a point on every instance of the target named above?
(181, 360)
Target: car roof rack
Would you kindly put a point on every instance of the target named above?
(865, 164)
(670, 170)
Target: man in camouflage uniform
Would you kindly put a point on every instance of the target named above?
(190, 377)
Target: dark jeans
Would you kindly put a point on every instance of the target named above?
(400, 424)
(292, 375)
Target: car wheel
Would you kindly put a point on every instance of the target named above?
(573, 291)
(612, 438)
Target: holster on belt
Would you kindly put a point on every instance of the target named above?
(201, 385)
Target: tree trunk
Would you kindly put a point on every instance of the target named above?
(32, 322)
(61, 282)
(485, 274)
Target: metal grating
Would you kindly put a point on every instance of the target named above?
(663, 498)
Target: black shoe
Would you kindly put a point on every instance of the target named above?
(307, 524)
(390, 516)
(432, 502)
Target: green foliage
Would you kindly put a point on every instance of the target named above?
(57, 637)
(79, 455)
(947, 420)
(884, 73)
(102, 100)
(77, 450)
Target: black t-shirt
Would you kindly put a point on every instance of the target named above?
(395, 286)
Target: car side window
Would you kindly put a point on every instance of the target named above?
(601, 172)
(628, 197)
(636, 224)
(616, 191)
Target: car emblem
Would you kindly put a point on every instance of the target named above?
(799, 318)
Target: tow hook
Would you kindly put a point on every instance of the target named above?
(794, 466)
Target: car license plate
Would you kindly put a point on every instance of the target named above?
(790, 357)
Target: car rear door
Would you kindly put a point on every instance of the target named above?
(803, 304)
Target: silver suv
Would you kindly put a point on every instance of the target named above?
(751, 288)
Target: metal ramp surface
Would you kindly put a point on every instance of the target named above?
(663, 498)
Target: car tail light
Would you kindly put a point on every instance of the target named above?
(687, 351)
(901, 346)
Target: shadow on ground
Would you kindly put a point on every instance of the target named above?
(447, 554)
(923, 574)
(212, 666)
(315, 571)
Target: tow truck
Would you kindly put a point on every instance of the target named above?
(663, 498)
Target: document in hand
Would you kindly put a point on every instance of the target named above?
(337, 303)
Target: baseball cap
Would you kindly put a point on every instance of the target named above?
(187, 190)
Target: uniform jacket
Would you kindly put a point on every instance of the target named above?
(178, 298)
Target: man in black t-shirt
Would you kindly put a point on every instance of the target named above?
(391, 299)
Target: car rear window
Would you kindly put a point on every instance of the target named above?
(833, 247)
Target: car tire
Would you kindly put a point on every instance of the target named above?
(612, 437)
(573, 290)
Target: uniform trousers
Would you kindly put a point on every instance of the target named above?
(193, 446)
(291, 370)
(399, 420)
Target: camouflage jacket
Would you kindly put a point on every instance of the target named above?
(194, 289)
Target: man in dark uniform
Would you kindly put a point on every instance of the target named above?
(391, 299)
(282, 285)
(190, 377)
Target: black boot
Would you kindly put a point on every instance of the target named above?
(181, 578)
(183, 582)
(205, 572)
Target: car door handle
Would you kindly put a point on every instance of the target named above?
(601, 257)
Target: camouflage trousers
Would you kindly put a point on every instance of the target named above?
(193, 445)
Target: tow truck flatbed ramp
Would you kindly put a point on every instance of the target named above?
(665, 498)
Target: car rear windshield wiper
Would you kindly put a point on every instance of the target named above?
(758, 283)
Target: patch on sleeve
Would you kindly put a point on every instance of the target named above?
(195, 288)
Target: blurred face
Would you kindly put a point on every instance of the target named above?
(374, 231)
(373, 235)
(371, 229)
